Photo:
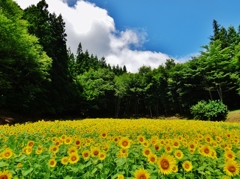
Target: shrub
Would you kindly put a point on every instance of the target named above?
(213, 110)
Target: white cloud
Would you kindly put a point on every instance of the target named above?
(95, 29)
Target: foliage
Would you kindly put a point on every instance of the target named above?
(213, 110)
(24, 66)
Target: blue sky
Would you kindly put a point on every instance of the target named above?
(140, 32)
(175, 27)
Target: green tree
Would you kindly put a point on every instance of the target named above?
(50, 29)
(24, 66)
(98, 91)
(216, 68)
(121, 88)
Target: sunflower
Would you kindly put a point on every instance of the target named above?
(146, 151)
(116, 139)
(30, 143)
(141, 138)
(124, 142)
(95, 151)
(52, 163)
(63, 137)
(206, 150)
(64, 160)
(218, 139)
(86, 154)
(7, 153)
(187, 166)
(141, 174)
(162, 141)
(54, 139)
(39, 150)
(154, 140)
(102, 155)
(73, 158)
(152, 158)
(19, 165)
(28, 150)
(119, 155)
(178, 154)
(104, 135)
(5, 175)
(123, 151)
(72, 149)
(58, 142)
(168, 148)
(230, 154)
(145, 143)
(77, 142)
(68, 140)
(54, 149)
(176, 143)
(231, 168)
(208, 138)
(157, 146)
(192, 146)
(175, 169)
(166, 163)
(120, 176)
(106, 147)
(213, 154)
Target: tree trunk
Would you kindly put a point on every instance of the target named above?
(150, 111)
(117, 109)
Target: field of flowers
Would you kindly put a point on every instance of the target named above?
(111, 148)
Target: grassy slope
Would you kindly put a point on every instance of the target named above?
(233, 116)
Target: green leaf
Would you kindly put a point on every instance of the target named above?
(75, 169)
(3, 164)
(94, 170)
(21, 158)
(88, 164)
(120, 161)
(26, 172)
(68, 177)
(100, 166)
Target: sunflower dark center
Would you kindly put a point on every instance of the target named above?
(142, 176)
(206, 151)
(152, 159)
(3, 177)
(231, 168)
(187, 166)
(147, 152)
(85, 154)
(164, 164)
(73, 158)
(125, 143)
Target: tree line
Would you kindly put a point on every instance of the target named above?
(40, 76)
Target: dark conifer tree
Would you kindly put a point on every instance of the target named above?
(50, 29)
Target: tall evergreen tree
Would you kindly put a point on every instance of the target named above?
(50, 29)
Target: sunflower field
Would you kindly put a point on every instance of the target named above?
(118, 149)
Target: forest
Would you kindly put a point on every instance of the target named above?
(40, 76)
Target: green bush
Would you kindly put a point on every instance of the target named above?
(213, 110)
